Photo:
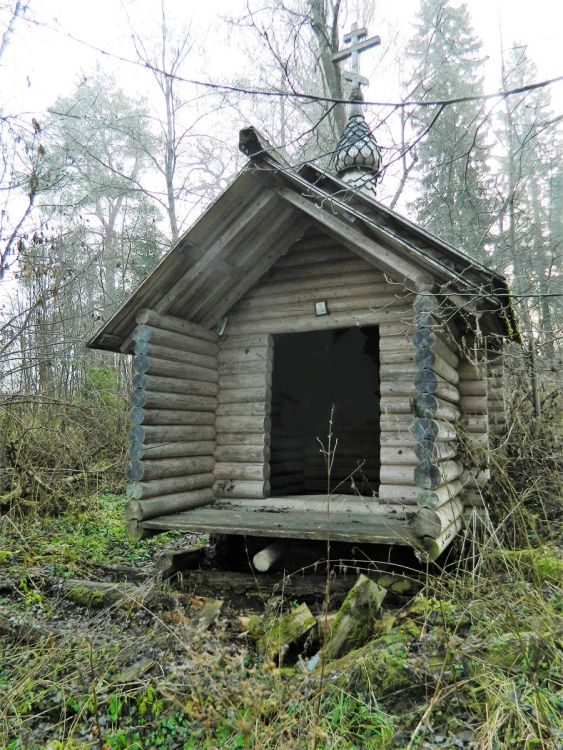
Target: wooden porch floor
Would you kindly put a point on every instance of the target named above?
(304, 517)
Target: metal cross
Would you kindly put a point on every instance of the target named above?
(358, 43)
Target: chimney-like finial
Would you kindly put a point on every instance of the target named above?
(357, 158)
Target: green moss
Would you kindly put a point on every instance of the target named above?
(279, 633)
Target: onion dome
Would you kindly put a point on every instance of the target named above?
(357, 158)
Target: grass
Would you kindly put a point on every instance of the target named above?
(475, 658)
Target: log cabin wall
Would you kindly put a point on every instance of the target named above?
(473, 387)
(316, 268)
(495, 396)
(437, 407)
(174, 400)
(397, 454)
(243, 416)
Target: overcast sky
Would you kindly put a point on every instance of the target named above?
(43, 61)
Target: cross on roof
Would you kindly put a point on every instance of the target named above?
(358, 43)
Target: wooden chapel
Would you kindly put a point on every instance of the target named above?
(302, 345)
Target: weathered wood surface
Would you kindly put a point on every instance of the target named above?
(355, 621)
(164, 434)
(218, 518)
(433, 523)
(158, 384)
(433, 407)
(171, 323)
(430, 476)
(171, 450)
(435, 498)
(168, 486)
(145, 469)
(172, 339)
(139, 510)
(237, 488)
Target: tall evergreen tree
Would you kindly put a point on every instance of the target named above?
(451, 148)
(530, 184)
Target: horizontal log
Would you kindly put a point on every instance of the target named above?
(433, 407)
(171, 323)
(472, 388)
(427, 381)
(400, 328)
(248, 366)
(397, 474)
(241, 489)
(475, 478)
(430, 360)
(397, 388)
(392, 405)
(474, 404)
(301, 323)
(433, 429)
(258, 354)
(248, 409)
(316, 278)
(476, 438)
(174, 385)
(154, 366)
(317, 271)
(172, 339)
(138, 415)
(244, 471)
(429, 476)
(396, 493)
(395, 344)
(428, 450)
(170, 433)
(229, 341)
(140, 510)
(424, 338)
(244, 395)
(241, 453)
(476, 423)
(171, 450)
(433, 548)
(476, 519)
(403, 372)
(245, 380)
(280, 306)
(299, 299)
(472, 370)
(243, 424)
(146, 470)
(173, 355)
(405, 357)
(396, 422)
(428, 522)
(243, 438)
(400, 438)
(180, 401)
(397, 455)
(473, 498)
(439, 496)
(168, 486)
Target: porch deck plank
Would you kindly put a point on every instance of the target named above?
(270, 521)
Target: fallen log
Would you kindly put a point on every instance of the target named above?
(354, 623)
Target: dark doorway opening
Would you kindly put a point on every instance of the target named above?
(313, 373)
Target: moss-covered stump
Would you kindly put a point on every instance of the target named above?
(354, 624)
(285, 633)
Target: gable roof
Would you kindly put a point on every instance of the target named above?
(265, 210)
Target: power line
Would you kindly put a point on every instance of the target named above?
(273, 93)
